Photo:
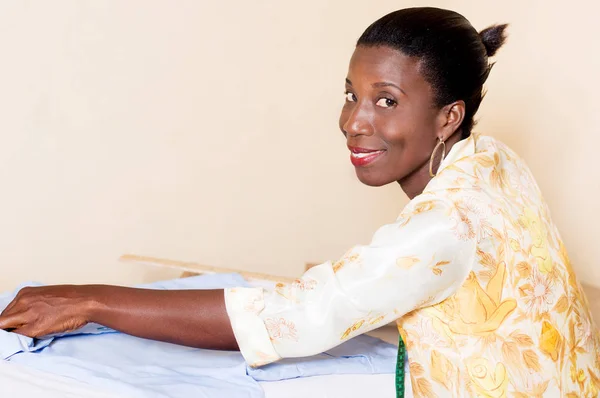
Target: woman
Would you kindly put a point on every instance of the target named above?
(473, 269)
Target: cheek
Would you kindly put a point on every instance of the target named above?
(397, 131)
(410, 132)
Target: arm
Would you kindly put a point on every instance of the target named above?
(195, 318)
(420, 260)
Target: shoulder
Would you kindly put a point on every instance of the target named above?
(467, 213)
(428, 208)
(428, 201)
(490, 146)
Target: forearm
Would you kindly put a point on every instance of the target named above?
(195, 318)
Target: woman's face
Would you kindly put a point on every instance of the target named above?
(389, 118)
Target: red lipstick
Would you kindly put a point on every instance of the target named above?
(361, 157)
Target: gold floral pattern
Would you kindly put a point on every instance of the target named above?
(520, 325)
(488, 380)
(281, 329)
(478, 311)
(419, 208)
(369, 320)
(349, 257)
(537, 294)
(305, 284)
(407, 262)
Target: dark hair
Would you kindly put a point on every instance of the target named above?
(454, 57)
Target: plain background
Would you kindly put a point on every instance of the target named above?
(207, 131)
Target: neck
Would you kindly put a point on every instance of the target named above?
(414, 183)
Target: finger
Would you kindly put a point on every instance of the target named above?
(13, 321)
(27, 331)
(17, 299)
(9, 308)
(23, 292)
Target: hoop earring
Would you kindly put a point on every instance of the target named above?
(443, 144)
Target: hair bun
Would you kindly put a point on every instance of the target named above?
(493, 38)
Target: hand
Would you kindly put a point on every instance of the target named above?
(41, 311)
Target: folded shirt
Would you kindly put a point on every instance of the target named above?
(136, 367)
(360, 355)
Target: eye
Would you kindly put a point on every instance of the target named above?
(386, 102)
(350, 97)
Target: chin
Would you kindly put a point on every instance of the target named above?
(372, 178)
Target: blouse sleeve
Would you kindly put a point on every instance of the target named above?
(419, 260)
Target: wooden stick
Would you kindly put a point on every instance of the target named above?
(200, 269)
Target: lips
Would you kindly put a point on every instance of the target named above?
(361, 157)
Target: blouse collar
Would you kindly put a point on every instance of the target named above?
(462, 149)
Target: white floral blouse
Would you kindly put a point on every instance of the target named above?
(476, 275)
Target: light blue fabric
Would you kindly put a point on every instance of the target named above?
(361, 355)
(137, 367)
(11, 344)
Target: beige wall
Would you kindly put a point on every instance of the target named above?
(208, 131)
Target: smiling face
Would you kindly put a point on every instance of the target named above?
(390, 119)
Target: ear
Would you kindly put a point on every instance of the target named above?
(450, 118)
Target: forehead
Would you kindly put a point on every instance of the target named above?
(370, 65)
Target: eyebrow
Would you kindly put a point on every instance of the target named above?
(380, 85)
(387, 84)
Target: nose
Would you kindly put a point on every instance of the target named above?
(358, 121)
